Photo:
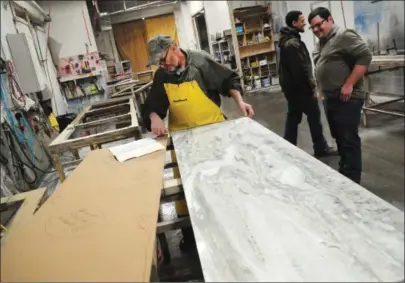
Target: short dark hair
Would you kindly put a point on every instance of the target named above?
(322, 12)
(291, 17)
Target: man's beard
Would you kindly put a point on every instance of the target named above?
(176, 71)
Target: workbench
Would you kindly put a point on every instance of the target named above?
(263, 210)
(97, 124)
(380, 64)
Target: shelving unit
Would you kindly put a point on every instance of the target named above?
(223, 50)
(256, 43)
(80, 76)
(81, 87)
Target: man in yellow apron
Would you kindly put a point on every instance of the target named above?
(188, 84)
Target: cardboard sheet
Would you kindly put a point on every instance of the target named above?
(98, 226)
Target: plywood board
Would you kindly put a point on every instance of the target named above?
(165, 24)
(98, 226)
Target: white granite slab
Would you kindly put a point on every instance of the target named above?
(264, 210)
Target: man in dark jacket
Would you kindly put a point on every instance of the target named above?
(298, 85)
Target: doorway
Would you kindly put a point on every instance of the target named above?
(201, 29)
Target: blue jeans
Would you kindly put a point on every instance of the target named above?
(344, 120)
(310, 107)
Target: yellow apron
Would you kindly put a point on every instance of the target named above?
(189, 108)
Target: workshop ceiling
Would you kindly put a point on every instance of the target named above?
(111, 6)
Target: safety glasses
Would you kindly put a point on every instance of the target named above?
(317, 25)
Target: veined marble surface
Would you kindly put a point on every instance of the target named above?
(264, 210)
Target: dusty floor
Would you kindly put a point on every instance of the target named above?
(383, 161)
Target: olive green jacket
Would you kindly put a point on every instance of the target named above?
(335, 57)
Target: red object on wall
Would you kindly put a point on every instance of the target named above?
(92, 59)
(67, 70)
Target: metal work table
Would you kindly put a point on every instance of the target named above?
(380, 64)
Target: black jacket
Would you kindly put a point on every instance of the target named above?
(295, 67)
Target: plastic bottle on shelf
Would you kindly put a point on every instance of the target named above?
(259, 37)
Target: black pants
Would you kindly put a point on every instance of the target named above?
(344, 120)
(310, 107)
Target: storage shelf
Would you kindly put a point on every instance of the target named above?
(78, 77)
(259, 78)
(267, 65)
(256, 53)
(256, 20)
(83, 96)
(257, 43)
(253, 31)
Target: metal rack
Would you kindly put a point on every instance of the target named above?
(381, 64)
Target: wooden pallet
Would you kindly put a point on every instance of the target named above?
(99, 123)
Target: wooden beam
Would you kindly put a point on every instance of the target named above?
(121, 91)
(172, 186)
(134, 118)
(79, 117)
(139, 90)
(118, 118)
(96, 139)
(67, 132)
(110, 102)
(174, 224)
(106, 109)
(72, 163)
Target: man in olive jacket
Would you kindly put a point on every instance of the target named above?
(298, 85)
(341, 59)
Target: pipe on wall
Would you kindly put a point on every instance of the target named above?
(33, 10)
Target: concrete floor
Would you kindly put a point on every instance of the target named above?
(383, 162)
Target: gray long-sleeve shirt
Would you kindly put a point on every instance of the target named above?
(335, 57)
